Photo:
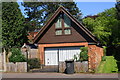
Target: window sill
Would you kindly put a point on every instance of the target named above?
(64, 35)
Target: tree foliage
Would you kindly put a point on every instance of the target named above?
(39, 12)
(34, 63)
(84, 54)
(17, 56)
(13, 30)
(105, 27)
(118, 9)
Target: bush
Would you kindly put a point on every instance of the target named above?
(34, 63)
(103, 58)
(84, 54)
(104, 50)
(17, 56)
(75, 58)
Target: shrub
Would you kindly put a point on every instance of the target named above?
(17, 56)
(84, 54)
(104, 50)
(75, 58)
(34, 63)
(103, 58)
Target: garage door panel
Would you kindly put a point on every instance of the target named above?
(51, 56)
(66, 53)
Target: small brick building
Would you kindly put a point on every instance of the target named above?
(61, 38)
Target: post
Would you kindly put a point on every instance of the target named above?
(27, 59)
(25, 47)
(4, 60)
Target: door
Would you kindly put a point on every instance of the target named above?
(54, 55)
(68, 53)
(51, 56)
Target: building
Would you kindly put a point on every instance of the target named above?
(61, 38)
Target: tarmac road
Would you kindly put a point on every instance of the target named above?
(59, 76)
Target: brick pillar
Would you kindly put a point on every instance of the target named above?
(92, 57)
(41, 54)
(95, 54)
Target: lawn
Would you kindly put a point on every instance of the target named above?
(108, 66)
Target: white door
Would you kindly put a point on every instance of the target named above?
(68, 53)
(53, 55)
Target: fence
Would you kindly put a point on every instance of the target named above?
(32, 53)
(1, 66)
(78, 66)
(2, 62)
(16, 67)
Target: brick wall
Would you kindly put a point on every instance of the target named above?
(42, 46)
(95, 55)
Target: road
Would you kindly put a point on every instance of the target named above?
(56, 76)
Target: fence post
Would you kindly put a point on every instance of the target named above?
(4, 60)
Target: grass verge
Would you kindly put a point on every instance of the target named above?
(108, 66)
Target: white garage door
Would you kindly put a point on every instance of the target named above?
(53, 55)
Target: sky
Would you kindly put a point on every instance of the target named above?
(93, 8)
(87, 8)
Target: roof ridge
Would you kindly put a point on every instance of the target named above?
(61, 8)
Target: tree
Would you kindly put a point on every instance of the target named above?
(17, 56)
(13, 30)
(105, 27)
(118, 9)
(39, 12)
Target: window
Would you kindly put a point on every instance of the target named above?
(63, 25)
(67, 21)
(59, 23)
(58, 32)
(67, 31)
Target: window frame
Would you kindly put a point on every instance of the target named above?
(63, 26)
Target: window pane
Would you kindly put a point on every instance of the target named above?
(67, 31)
(58, 23)
(67, 21)
(58, 32)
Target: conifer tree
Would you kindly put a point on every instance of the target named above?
(39, 12)
(13, 30)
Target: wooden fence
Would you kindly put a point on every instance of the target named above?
(2, 62)
(32, 53)
(1, 66)
(16, 67)
(78, 66)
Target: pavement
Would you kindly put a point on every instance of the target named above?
(59, 75)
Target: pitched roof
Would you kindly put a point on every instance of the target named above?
(62, 9)
(93, 17)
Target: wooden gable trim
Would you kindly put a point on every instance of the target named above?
(79, 24)
(47, 24)
(62, 9)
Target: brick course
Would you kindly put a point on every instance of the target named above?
(95, 55)
(94, 52)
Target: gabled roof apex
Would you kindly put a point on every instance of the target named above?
(61, 8)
